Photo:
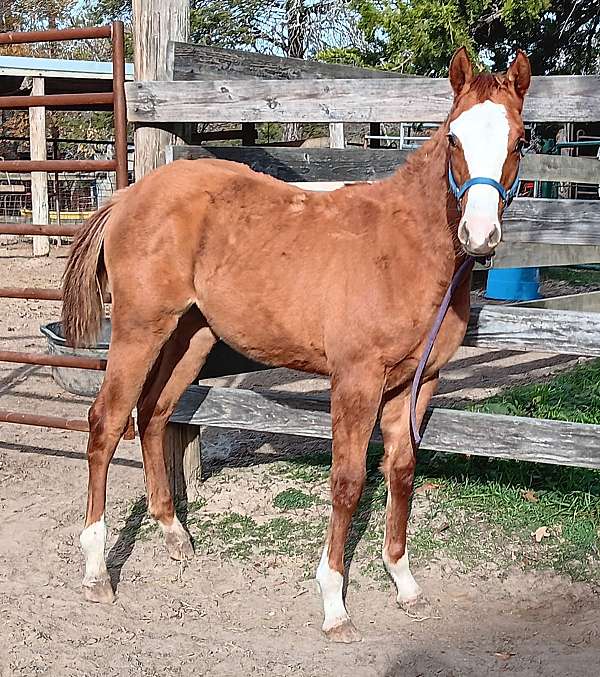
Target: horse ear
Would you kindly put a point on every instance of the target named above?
(461, 70)
(519, 73)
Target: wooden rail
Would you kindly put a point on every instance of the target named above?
(446, 430)
(365, 100)
(199, 62)
(355, 164)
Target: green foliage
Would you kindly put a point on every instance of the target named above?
(419, 36)
(573, 396)
(293, 499)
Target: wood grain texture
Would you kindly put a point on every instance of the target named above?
(183, 458)
(39, 180)
(553, 221)
(155, 22)
(199, 62)
(304, 164)
(551, 99)
(445, 430)
(588, 302)
(356, 164)
(536, 329)
(529, 255)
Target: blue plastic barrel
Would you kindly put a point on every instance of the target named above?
(513, 284)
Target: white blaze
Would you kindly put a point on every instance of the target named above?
(483, 134)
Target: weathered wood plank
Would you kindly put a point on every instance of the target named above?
(536, 329)
(155, 22)
(39, 180)
(445, 430)
(553, 221)
(560, 168)
(183, 458)
(356, 164)
(529, 255)
(305, 164)
(364, 100)
(588, 302)
(199, 62)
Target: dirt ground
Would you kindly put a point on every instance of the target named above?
(224, 615)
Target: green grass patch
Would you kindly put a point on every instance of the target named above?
(237, 536)
(294, 499)
(571, 396)
(572, 275)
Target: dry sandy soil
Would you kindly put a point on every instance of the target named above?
(221, 615)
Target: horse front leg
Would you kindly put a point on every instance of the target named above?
(399, 469)
(355, 400)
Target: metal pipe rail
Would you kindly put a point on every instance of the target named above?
(36, 294)
(52, 230)
(116, 98)
(78, 424)
(45, 360)
(56, 35)
(58, 165)
(53, 100)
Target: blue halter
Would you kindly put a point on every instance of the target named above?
(506, 195)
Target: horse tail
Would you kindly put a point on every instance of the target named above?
(85, 280)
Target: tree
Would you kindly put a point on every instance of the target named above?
(419, 36)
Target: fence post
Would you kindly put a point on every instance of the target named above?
(336, 135)
(39, 180)
(155, 22)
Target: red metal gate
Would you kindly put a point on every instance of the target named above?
(114, 32)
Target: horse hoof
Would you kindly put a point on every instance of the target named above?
(99, 591)
(179, 547)
(344, 633)
(417, 605)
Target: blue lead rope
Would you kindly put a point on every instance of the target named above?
(459, 276)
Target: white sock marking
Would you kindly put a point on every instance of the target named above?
(483, 132)
(93, 544)
(408, 589)
(174, 528)
(331, 584)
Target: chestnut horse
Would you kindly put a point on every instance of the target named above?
(345, 284)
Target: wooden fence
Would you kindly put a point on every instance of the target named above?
(212, 85)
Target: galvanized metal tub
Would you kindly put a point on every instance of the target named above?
(222, 361)
(85, 382)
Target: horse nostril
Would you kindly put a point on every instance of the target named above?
(463, 234)
(495, 237)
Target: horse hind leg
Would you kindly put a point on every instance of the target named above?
(182, 358)
(132, 353)
(355, 400)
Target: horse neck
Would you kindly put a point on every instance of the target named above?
(425, 176)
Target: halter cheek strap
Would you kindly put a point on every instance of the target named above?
(506, 195)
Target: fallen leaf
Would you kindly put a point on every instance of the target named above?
(428, 486)
(530, 495)
(540, 533)
(503, 656)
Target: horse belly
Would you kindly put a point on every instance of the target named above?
(265, 321)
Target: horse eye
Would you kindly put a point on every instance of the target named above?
(452, 140)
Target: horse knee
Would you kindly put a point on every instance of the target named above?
(346, 486)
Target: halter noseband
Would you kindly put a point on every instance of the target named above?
(506, 195)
